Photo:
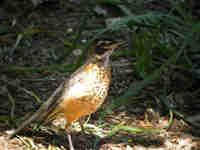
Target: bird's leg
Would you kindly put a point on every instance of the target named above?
(70, 141)
(81, 123)
(67, 128)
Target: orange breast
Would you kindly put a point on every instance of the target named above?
(86, 97)
(74, 109)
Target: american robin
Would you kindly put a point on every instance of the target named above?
(82, 94)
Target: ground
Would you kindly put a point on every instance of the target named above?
(49, 31)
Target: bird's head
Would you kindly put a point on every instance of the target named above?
(103, 51)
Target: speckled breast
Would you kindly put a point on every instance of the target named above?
(87, 94)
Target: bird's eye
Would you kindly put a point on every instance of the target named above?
(101, 47)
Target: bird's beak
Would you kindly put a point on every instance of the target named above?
(111, 48)
(107, 54)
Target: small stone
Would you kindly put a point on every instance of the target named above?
(84, 41)
(70, 30)
(77, 52)
(10, 131)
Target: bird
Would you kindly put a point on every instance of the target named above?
(82, 93)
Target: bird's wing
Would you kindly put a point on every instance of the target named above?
(78, 87)
(54, 100)
(68, 86)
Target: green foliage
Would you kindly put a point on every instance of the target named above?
(172, 37)
(159, 35)
(143, 42)
(131, 130)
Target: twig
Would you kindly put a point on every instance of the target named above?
(39, 112)
(12, 100)
(14, 68)
(170, 120)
